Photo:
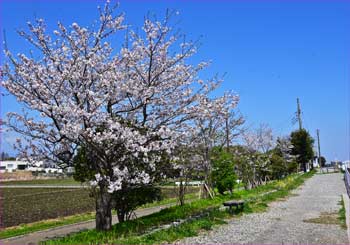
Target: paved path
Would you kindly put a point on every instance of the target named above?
(284, 222)
(36, 237)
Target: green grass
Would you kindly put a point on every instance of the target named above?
(330, 172)
(341, 214)
(187, 229)
(137, 227)
(188, 197)
(171, 191)
(137, 231)
(46, 224)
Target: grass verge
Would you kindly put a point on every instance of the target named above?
(45, 224)
(341, 214)
(139, 231)
(190, 196)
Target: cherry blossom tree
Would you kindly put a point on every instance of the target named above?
(187, 165)
(285, 148)
(124, 105)
(258, 143)
(282, 160)
(208, 128)
(217, 125)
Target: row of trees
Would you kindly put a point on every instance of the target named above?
(127, 115)
(4, 156)
(259, 158)
(262, 158)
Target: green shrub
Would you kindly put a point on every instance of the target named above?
(223, 174)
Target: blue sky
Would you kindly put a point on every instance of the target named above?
(271, 51)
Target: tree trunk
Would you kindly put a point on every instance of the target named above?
(304, 167)
(103, 209)
(182, 193)
(121, 216)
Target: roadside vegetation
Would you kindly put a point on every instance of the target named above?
(143, 230)
(341, 214)
(44, 224)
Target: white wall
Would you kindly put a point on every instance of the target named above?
(10, 166)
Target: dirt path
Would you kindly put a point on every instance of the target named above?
(298, 220)
(36, 237)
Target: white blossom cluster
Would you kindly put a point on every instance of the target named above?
(260, 139)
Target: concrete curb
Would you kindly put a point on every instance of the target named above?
(347, 213)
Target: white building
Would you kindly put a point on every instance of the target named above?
(315, 162)
(38, 166)
(345, 165)
(10, 166)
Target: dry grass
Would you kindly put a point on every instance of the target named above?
(328, 218)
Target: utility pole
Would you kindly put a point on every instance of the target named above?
(319, 148)
(299, 114)
(300, 128)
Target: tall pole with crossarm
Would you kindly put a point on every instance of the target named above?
(299, 114)
(319, 147)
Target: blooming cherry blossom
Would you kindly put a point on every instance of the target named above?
(123, 107)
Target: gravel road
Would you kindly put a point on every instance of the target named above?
(284, 222)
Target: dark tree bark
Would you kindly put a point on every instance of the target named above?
(311, 165)
(103, 209)
(182, 193)
(304, 167)
(121, 216)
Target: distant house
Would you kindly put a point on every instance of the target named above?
(37, 166)
(11, 166)
(315, 162)
(45, 166)
(345, 165)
